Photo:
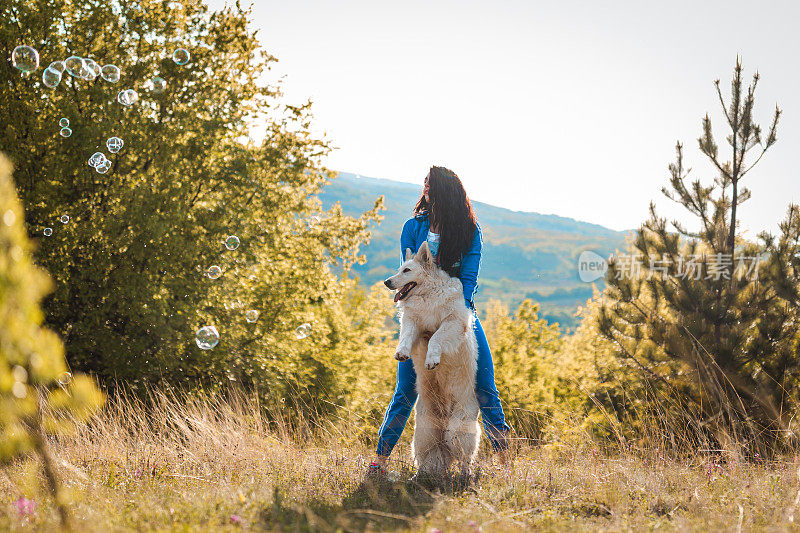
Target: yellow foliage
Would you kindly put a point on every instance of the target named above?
(523, 350)
(31, 357)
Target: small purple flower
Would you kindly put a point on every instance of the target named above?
(714, 469)
(236, 519)
(25, 506)
(138, 473)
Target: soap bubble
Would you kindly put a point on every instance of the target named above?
(64, 122)
(65, 378)
(110, 73)
(47, 232)
(65, 132)
(159, 85)
(302, 331)
(232, 242)
(96, 159)
(103, 167)
(207, 337)
(214, 272)
(251, 315)
(114, 144)
(51, 78)
(180, 56)
(26, 58)
(20, 374)
(76, 67)
(64, 219)
(19, 390)
(127, 97)
(93, 68)
(58, 66)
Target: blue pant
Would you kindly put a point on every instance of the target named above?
(405, 396)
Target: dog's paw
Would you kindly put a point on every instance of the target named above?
(432, 361)
(401, 355)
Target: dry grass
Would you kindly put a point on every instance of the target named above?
(189, 464)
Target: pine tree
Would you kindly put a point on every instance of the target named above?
(699, 320)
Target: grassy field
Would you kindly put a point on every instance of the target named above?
(192, 465)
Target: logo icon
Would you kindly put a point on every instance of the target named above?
(591, 266)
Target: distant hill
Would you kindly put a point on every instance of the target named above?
(525, 255)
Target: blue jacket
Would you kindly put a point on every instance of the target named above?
(415, 232)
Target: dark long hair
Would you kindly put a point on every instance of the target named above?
(451, 211)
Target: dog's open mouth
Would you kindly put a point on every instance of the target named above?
(403, 292)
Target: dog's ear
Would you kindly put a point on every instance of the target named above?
(424, 254)
(409, 254)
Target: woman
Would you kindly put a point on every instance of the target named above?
(443, 216)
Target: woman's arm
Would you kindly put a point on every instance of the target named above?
(470, 265)
(407, 240)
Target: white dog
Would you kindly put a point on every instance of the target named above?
(430, 301)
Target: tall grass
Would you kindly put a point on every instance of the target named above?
(225, 461)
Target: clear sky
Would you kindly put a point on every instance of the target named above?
(571, 108)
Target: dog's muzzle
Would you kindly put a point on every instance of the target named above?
(403, 292)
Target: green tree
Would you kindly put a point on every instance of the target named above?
(523, 350)
(37, 393)
(365, 334)
(700, 328)
(601, 394)
(130, 265)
